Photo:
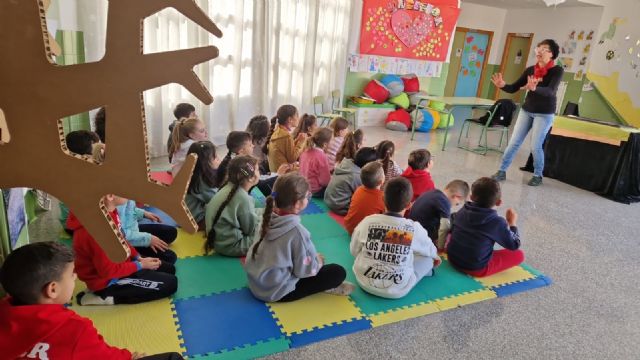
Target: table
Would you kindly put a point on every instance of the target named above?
(450, 102)
(595, 156)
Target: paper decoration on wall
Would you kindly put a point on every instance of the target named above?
(611, 32)
(578, 74)
(518, 58)
(397, 66)
(411, 29)
(610, 54)
(35, 156)
(577, 48)
(567, 63)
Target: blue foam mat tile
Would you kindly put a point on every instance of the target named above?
(518, 287)
(166, 219)
(225, 321)
(312, 208)
(328, 332)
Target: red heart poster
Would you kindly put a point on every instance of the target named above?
(409, 29)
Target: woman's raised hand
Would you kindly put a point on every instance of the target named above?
(497, 80)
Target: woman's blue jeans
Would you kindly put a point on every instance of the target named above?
(540, 124)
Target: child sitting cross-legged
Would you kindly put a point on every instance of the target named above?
(150, 240)
(368, 198)
(392, 253)
(420, 162)
(346, 179)
(283, 264)
(314, 165)
(231, 218)
(433, 210)
(477, 227)
(36, 324)
(134, 280)
(203, 184)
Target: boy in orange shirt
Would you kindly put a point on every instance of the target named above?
(368, 199)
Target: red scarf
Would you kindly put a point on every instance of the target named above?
(539, 72)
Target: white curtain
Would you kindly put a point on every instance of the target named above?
(272, 52)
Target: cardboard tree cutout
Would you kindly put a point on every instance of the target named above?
(35, 93)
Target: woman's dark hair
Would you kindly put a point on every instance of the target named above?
(553, 46)
(288, 189)
(283, 114)
(202, 172)
(241, 169)
(385, 151)
(235, 140)
(306, 123)
(258, 127)
(350, 145)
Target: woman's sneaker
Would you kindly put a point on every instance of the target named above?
(499, 176)
(344, 289)
(535, 181)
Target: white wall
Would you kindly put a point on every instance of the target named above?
(549, 23)
(628, 10)
(487, 18)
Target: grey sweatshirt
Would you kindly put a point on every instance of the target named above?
(284, 256)
(344, 182)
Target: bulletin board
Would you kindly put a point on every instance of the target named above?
(408, 29)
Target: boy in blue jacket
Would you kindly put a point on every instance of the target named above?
(477, 227)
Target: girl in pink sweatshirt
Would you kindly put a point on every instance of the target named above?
(314, 165)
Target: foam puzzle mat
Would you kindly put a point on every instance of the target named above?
(214, 316)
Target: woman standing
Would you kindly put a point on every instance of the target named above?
(541, 81)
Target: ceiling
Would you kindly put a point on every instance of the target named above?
(526, 4)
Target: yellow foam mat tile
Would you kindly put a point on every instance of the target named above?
(465, 299)
(513, 275)
(403, 314)
(147, 328)
(314, 311)
(188, 245)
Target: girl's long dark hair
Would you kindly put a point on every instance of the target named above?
(287, 190)
(384, 152)
(241, 169)
(352, 142)
(235, 140)
(202, 172)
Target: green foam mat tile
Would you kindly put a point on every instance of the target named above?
(251, 351)
(204, 275)
(447, 282)
(322, 226)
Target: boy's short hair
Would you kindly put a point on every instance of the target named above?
(419, 159)
(397, 194)
(81, 141)
(372, 175)
(364, 156)
(485, 192)
(458, 187)
(183, 110)
(28, 269)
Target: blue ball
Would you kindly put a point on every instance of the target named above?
(424, 120)
(394, 83)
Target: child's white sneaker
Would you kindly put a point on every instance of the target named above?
(89, 298)
(344, 289)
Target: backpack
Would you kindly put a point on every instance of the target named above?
(504, 115)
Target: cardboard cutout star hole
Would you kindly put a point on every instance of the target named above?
(35, 93)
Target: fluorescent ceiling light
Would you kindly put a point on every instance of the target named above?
(553, 2)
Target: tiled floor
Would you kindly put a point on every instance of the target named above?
(587, 244)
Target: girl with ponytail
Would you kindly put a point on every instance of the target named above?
(282, 147)
(384, 152)
(283, 264)
(352, 143)
(307, 125)
(203, 184)
(314, 165)
(231, 219)
(185, 132)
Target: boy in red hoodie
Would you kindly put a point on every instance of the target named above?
(420, 162)
(34, 323)
(135, 280)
